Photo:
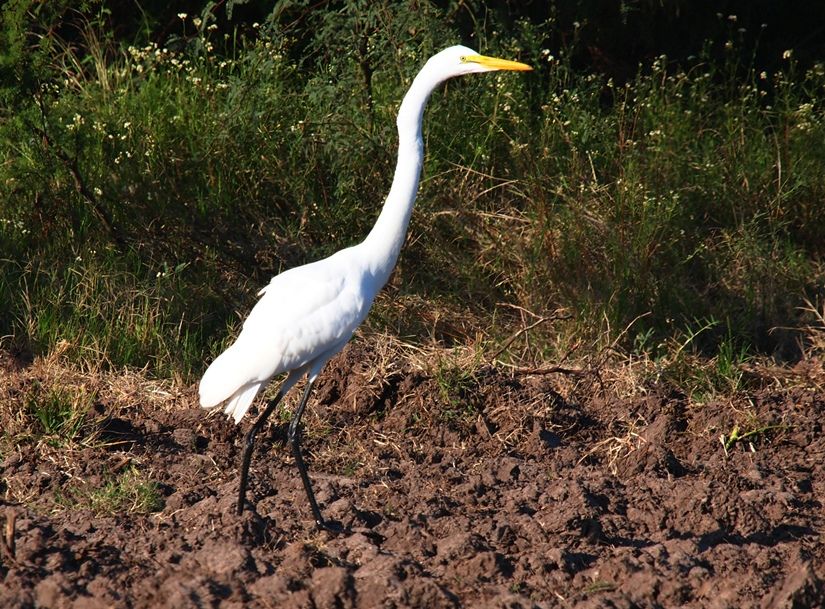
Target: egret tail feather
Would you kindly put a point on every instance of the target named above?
(225, 379)
(240, 402)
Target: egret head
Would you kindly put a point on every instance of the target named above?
(458, 60)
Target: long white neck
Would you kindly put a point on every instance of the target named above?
(387, 236)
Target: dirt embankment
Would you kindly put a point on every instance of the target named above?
(491, 491)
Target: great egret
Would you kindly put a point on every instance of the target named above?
(308, 313)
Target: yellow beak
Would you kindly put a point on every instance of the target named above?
(494, 63)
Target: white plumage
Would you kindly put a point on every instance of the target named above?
(302, 314)
(307, 314)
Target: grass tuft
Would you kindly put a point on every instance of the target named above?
(130, 492)
(455, 378)
(59, 413)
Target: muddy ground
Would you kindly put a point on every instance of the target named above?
(490, 490)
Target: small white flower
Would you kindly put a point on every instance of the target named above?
(182, 15)
(787, 54)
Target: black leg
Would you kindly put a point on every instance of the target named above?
(249, 442)
(294, 439)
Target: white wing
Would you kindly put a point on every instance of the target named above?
(302, 313)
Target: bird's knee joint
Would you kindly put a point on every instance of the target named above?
(292, 437)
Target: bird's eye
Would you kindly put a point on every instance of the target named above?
(463, 59)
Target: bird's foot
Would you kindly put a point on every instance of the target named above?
(331, 526)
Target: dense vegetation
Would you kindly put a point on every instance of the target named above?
(157, 169)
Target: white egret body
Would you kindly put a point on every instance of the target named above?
(308, 313)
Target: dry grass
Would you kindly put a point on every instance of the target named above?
(616, 447)
(384, 376)
(55, 408)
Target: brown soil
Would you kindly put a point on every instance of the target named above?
(493, 490)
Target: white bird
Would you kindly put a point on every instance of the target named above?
(308, 313)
